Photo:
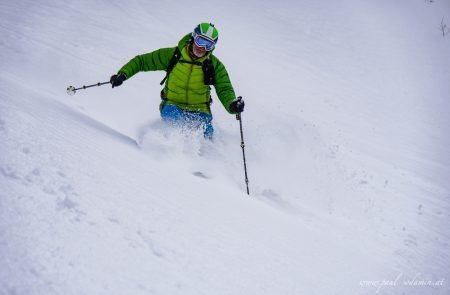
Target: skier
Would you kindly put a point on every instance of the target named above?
(191, 69)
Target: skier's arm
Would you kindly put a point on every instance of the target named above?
(157, 60)
(224, 89)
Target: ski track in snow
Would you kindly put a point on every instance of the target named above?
(346, 143)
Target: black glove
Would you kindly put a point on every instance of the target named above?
(237, 106)
(117, 80)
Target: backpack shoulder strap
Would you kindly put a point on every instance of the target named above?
(173, 61)
(208, 72)
(207, 67)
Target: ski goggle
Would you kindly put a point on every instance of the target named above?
(202, 41)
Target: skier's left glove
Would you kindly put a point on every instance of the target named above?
(117, 80)
(237, 105)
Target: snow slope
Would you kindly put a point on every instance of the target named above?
(346, 140)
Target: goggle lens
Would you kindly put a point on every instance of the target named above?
(204, 42)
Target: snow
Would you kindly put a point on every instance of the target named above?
(346, 133)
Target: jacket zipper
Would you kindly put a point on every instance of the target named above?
(187, 85)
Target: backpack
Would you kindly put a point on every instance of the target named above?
(207, 67)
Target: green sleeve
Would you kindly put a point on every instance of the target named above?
(154, 61)
(224, 89)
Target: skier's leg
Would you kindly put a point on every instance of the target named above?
(208, 129)
(176, 116)
(171, 114)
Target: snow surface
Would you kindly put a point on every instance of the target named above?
(346, 129)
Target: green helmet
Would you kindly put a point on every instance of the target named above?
(207, 30)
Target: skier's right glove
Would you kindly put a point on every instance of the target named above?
(117, 80)
(237, 105)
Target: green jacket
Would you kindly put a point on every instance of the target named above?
(184, 86)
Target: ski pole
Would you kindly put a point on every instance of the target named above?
(72, 90)
(238, 117)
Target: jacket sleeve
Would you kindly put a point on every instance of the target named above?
(157, 60)
(224, 89)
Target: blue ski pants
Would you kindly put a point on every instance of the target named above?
(176, 116)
